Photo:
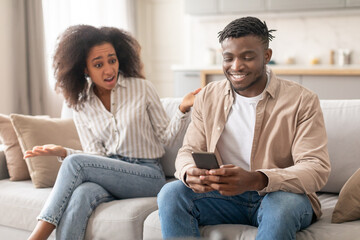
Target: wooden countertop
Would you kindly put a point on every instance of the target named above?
(316, 70)
(297, 70)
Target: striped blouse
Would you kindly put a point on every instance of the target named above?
(137, 125)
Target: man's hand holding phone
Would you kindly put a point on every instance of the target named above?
(195, 183)
(204, 162)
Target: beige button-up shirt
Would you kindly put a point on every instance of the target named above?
(290, 142)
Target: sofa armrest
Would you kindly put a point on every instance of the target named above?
(3, 168)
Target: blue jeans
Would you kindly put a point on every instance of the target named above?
(84, 181)
(278, 215)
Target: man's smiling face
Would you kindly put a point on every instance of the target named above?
(244, 61)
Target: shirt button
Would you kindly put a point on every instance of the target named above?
(218, 128)
(225, 108)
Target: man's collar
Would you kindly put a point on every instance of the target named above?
(273, 82)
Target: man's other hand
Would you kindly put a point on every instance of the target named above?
(231, 180)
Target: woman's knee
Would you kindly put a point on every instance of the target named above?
(88, 193)
(88, 188)
(71, 160)
(76, 162)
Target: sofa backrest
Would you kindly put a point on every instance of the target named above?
(168, 160)
(342, 122)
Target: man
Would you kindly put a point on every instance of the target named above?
(270, 138)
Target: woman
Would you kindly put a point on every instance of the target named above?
(120, 122)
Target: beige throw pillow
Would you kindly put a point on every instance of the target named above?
(348, 206)
(16, 165)
(32, 131)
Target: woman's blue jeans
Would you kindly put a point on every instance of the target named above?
(84, 181)
(278, 215)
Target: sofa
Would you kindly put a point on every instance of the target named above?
(135, 219)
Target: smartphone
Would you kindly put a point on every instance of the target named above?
(205, 160)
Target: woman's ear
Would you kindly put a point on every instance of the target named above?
(86, 71)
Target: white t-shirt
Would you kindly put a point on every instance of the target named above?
(236, 140)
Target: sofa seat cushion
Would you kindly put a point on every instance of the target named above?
(322, 229)
(120, 219)
(21, 203)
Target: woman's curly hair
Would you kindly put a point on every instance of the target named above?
(72, 50)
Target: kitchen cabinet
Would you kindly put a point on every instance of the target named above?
(185, 82)
(201, 7)
(292, 5)
(333, 87)
(214, 7)
(352, 3)
(241, 6)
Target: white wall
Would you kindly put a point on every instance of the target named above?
(160, 32)
(302, 37)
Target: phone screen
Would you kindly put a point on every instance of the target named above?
(205, 160)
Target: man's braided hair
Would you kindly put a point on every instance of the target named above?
(245, 26)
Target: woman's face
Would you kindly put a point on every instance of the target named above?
(102, 66)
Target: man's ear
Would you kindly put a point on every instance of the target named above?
(267, 55)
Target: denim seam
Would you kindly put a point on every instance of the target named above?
(302, 219)
(69, 192)
(120, 170)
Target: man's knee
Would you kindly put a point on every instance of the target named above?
(172, 193)
(170, 190)
(285, 199)
(285, 205)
